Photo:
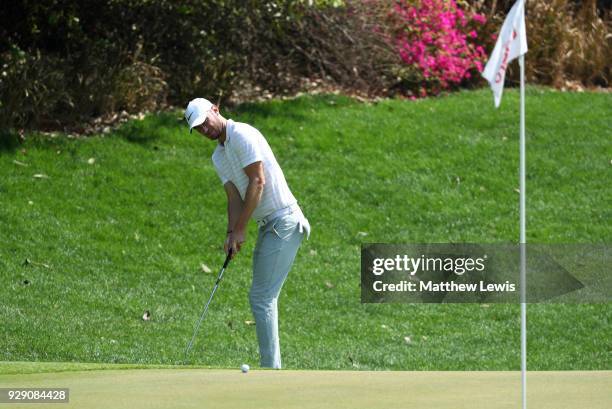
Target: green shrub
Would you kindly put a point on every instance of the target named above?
(66, 61)
(139, 87)
(33, 87)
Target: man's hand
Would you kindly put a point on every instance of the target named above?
(234, 241)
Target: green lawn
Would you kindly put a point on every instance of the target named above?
(300, 389)
(107, 240)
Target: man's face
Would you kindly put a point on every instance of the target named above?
(212, 127)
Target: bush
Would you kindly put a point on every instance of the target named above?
(91, 59)
(139, 86)
(339, 44)
(33, 87)
(568, 43)
(437, 41)
(65, 61)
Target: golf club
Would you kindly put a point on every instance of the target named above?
(219, 278)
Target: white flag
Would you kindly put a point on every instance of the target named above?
(511, 43)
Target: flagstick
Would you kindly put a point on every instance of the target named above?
(523, 240)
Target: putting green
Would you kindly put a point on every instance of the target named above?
(287, 389)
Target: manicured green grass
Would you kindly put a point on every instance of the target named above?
(313, 389)
(129, 232)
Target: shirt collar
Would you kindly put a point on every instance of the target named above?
(229, 128)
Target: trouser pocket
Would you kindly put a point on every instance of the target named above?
(284, 226)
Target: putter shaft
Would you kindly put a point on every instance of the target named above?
(219, 278)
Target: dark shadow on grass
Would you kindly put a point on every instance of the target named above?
(9, 140)
(293, 109)
(149, 130)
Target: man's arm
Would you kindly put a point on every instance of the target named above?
(255, 173)
(234, 208)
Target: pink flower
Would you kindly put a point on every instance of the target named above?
(479, 18)
(433, 39)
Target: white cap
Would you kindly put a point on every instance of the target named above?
(196, 112)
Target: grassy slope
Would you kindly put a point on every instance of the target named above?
(129, 233)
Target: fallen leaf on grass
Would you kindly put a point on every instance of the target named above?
(16, 162)
(329, 285)
(408, 340)
(205, 268)
(91, 161)
(40, 176)
(27, 261)
(248, 322)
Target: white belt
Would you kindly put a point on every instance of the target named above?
(278, 213)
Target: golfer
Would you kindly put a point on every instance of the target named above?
(256, 188)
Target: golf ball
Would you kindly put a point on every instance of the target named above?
(244, 368)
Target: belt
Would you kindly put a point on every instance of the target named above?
(278, 213)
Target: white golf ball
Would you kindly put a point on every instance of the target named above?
(244, 368)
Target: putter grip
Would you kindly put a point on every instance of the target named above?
(228, 258)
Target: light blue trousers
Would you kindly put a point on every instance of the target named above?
(277, 244)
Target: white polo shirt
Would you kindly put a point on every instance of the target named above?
(245, 145)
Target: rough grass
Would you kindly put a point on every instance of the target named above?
(107, 240)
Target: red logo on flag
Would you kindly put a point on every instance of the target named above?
(500, 74)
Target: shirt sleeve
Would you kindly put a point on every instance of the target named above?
(247, 148)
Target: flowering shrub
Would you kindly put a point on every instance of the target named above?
(438, 41)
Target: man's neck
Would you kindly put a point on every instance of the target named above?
(223, 136)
